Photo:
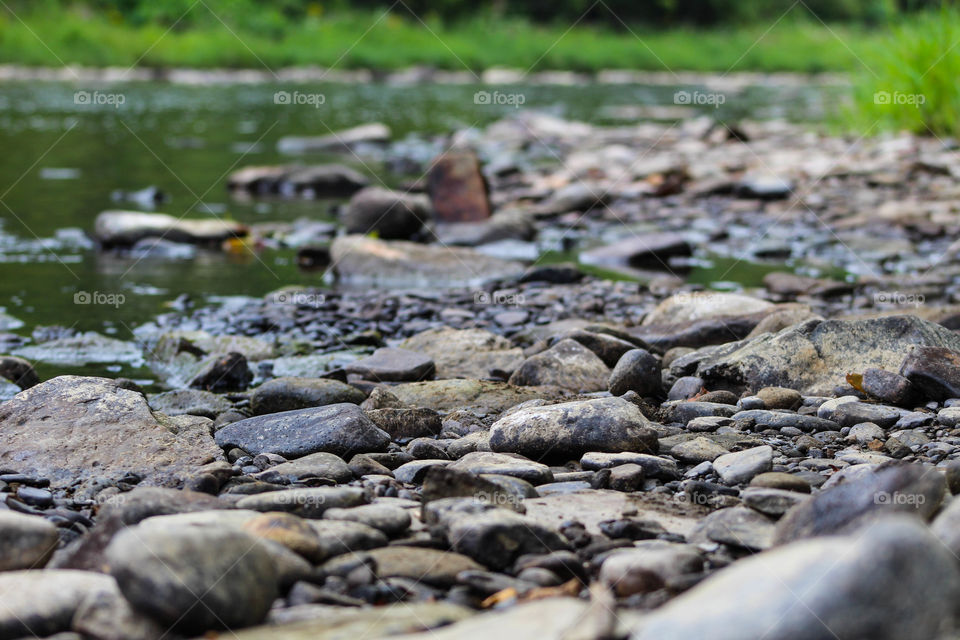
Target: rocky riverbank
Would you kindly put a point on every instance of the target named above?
(460, 440)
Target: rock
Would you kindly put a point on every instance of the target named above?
(496, 538)
(364, 261)
(107, 615)
(650, 566)
(289, 394)
(736, 526)
(551, 618)
(228, 372)
(307, 503)
(390, 215)
(682, 412)
(691, 307)
(893, 581)
(815, 356)
(780, 398)
(946, 526)
(848, 414)
(41, 603)
(781, 480)
(653, 466)
(404, 424)
(317, 181)
(685, 387)
(189, 402)
(18, 371)
(344, 140)
(392, 521)
(637, 370)
(441, 482)
(504, 464)
(761, 418)
(742, 466)
(341, 429)
(698, 450)
(76, 428)
(82, 350)
(865, 432)
(125, 228)
(567, 365)
(467, 353)
(568, 430)
(315, 465)
(457, 188)
(608, 344)
(846, 505)
(888, 387)
(434, 567)
(26, 542)
(764, 187)
(934, 370)
(651, 250)
(393, 365)
(288, 530)
(626, 477)
(482, 396)
(770, 502)
(166, 573)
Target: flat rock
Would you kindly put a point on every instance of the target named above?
(41, 603)
(125, 228)
(364, 261)
(735, 526)
(893, 581)
(432, 566)
(306, 502)
(741, 466)
(289, 394)
(341, 429)
(343, 140)
(651, 250)
(392, 521)
(691, 307)
(815, 356)
(192, 402)
(391, 364)
(315, 465)
(466, 353)
(83, 349)
(567, 365)
(320, 180)
(698, 450)
(484, 396)
(568, 430)
(649, 566)
(75, 428)
(506, 464)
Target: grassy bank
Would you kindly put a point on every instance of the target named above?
(391, 41)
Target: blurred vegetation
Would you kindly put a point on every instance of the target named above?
(910, 80)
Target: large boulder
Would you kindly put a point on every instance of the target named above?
(341, 429)
(78, 428)
(568, 430)
(814, 356)
(360, 260)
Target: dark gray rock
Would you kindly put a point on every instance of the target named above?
(568, 430)
(889, 387)
(315, 465)
(307, 503)
(934, 370)
(763, 419)
(289, 394)
(18, 371)
(392, 521)
(568, 365)
(390, 214)
(496, 538)
(393, 365)
(737, 527)
(222, 372)
(341, 429)
(403, 424)
(190, 402)
(637, 370)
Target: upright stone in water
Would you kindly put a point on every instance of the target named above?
(18, 371)
(457, 188)
(124, 228)
(74, 428)
(389, 214)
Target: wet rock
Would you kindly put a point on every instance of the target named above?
(567, 365)
(189, 402)
(934, 370)
(18, 371)
(890, 582)
(26, 542)
(637, 370)
(343, 140)
(467, 353)
(568, 430)
(649, 566)
(813, 357)
(364, 261)
(496, 538)
(457, 188)
(322, 180)
(341, 429)
(742, 466)
(125, 228)
(403, 424)
(843, 507)
(75, 428)
(315, 465)
(81, 350)
(307, 503)
(228, 372)
(391, 215)
(42, 603)
(167, 573)
(393, 365)
(288, 394)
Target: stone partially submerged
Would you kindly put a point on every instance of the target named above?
(813, 357)
(125, 228)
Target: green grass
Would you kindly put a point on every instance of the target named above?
(911, 82)
(370, 40)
